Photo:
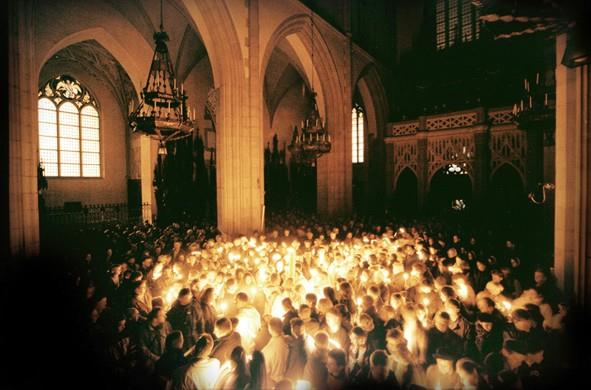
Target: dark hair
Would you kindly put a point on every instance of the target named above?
(378, 358)
(154, 313)
(238, 356)
(184, 291)
(521, 314)
(339, 356)
(258, 371)
(204, 344)
(172, 339)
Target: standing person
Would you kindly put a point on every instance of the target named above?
(380, 377)
(258, 372)
(235, 375)
(184, 317)
(358, 359)
(152, 338)
(336, 365)
(209, 313)
(442, 375)
(315, 371)
(249, 322)
(226, 340)
(172, 359)
(276, 351)
(142, 298)
(202, 373)
(441, 335)
(297, 350)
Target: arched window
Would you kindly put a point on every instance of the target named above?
(69, 131)
(358, 134)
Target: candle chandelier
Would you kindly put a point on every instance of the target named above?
(162, 112)
(312, 140)
(533, 109)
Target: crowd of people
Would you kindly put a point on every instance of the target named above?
(311, 305)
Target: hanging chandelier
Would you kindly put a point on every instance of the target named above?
(162, 112)
(312, 139)
(534, 109)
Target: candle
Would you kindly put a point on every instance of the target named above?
(546, 99)
(174, 83)
(530, 102)
(521, 104)
(182, 89)
(537, 78)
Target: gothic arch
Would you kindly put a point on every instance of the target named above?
(372, 92)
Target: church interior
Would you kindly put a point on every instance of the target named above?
(297, 194)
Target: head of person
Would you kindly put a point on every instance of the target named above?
(467, 370)
(241, 300)
(275, 327)
(207, 296)
(311, 300)
(305, 312)
(185, 296)
(534, 353)
(175, 340)
(442, 321)
(334, 320)
(157, 316)
(358, 337)
(287, 304)
(444, 358)
(321, 341)
(335, 364)
(485, 321)
(497, 276)
(514, 352)
(297, 327)
(204, 346)
(394, 339)
(378, 365)
(366, 322)
(540, 276)
(522, 320)
(485, 305)
(453, 308)
(238, 358)
(324, 305)
(481, 264)
(223, 327)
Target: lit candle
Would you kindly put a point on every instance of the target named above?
(546, 99)
(530, 102)
(537, 78)
(174, 83)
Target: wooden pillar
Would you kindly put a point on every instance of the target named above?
(23, 141)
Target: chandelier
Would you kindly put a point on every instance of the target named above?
(534, 110)
(162, 112)
(312, 140)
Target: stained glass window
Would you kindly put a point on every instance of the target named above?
(357, 126)
(69, 129)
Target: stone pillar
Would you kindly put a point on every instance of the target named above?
(481, 168)
(146, 176)
(422, 170)
(23, 141)
(239, 138)
(572, 254)
(389, 174)
(335, 169)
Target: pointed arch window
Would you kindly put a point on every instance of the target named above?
(358, 134)
(69, 129)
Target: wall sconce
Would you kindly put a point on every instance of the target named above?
(546, 187)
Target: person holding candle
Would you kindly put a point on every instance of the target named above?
(440, 335)
(203, 372)
(184, 317)
(276, 351)
(441, 374)
(226, 340)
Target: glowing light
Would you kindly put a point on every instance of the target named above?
(405, 276)
(310, 344)
(277, 309)
(426, 301)
(302, 385)
(463, 291)
(334, 344)
(224, 307)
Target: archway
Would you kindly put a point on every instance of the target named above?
(405, 204)
(449, 191)
(506, 195)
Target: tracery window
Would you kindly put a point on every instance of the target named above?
(455, 21)
(69, 129)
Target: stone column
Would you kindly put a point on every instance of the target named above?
(572, 254)
(481, 168)
(422, 170)
(334, 170)
(239, 141)
(23, 130)
(146, 176)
